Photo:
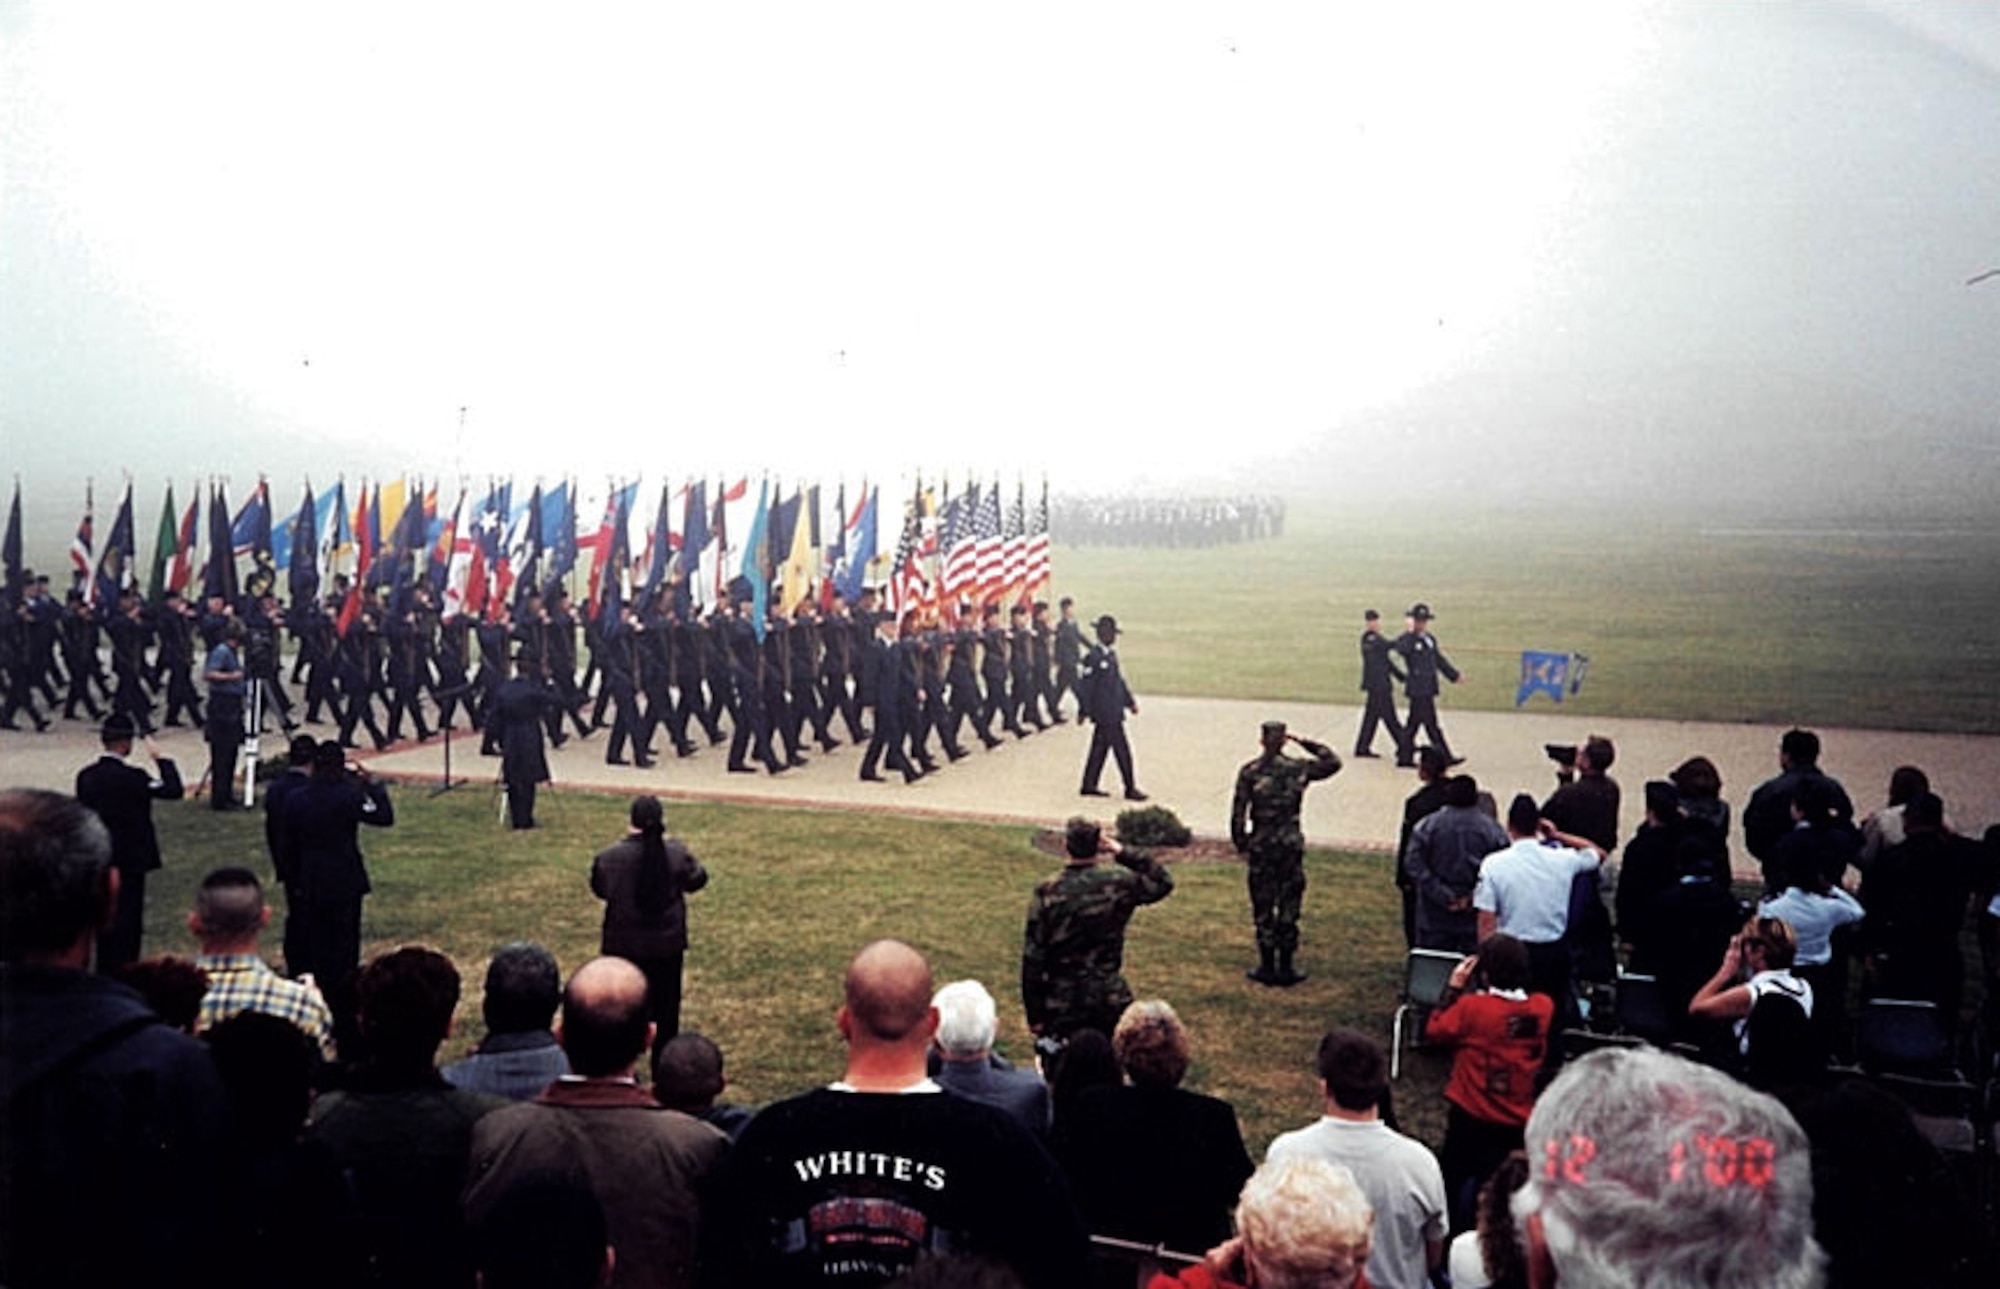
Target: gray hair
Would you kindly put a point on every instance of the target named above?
(54, 857)
(1305, 1224)
(967, 1018)
(1652, 1172)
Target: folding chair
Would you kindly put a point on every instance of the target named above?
(1425, 975)
(1642, 1008)
(1903, 1036)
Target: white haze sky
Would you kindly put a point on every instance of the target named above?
(1138, 245)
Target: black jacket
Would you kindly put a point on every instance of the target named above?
(122, 795)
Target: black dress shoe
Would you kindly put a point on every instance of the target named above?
(743, 769)
(956, 753)
(1133, 794)
(873, 778)
(1095, 792)
(1363, 752)
(616, 760)
(644, 763)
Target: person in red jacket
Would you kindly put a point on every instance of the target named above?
(1499, 1033)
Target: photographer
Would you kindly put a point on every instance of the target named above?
(323, 855)
(1586, 800)
(1499, 1035)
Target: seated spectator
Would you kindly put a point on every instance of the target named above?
(1819, 914)
(968, 1022)
(172, 986)
(1151, 1161)
(1654, 1170)
(291, 1219)
(1442, 864)
(1757, 965)
(1398, 1174)
(1499, 1036)
(519, 1055)
(546, 1231)
(851, 1184)
(687, 1076)
(111, 1121)
(1917, 896)
(1302, 1224)
(1886, 1207)
(401, 1133)
(229, 918)
(1490, 1256)
(647, 1163)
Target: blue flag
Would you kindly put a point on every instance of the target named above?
(1556, 674)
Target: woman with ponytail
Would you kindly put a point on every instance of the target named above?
(644, 881)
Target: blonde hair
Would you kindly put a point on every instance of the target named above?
(1305, 1225)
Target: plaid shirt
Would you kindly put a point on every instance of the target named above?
(241, 982)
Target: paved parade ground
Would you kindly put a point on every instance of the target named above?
(1187, 751)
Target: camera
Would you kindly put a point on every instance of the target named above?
(1563, 754)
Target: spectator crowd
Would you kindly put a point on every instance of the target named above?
(301, 1127)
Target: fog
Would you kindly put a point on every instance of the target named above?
(1719, 257)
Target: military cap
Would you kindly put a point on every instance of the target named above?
(1274, 727)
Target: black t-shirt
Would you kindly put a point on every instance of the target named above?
(850, 1189)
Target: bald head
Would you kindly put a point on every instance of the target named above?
(889, 992)
(604, 1025)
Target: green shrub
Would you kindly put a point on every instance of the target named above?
(1152, 826)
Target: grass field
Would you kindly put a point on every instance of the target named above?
(1883, 628)
(1872, 629)
(794, 893)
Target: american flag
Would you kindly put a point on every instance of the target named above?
(961, 546)
(1015, 546)
(989, 547)
(1038, 545)
(907, 583)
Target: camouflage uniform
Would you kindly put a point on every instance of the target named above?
(1264, 824)
(1075, 942)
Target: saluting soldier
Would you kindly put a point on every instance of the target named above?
(1073, 951)
(1264, 826)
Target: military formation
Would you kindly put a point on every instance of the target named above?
(1174, 522)
(913, 690)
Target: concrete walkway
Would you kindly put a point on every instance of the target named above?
(1187, 752)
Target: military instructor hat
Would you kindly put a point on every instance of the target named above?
(1107, 621)
(1421, 612)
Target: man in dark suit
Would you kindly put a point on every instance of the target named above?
(323, 854)
(1379, 674)
(968, 1020)
(1103, 699)
(1425, 662)
(521, 708)
(122, 795)
(882, 687)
